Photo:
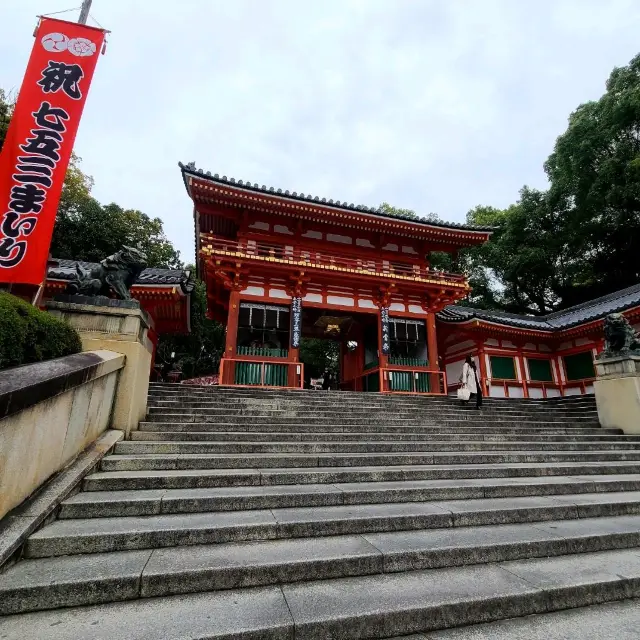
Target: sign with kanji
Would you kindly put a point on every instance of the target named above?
(296, 322)
(386, 337)
(38, 145)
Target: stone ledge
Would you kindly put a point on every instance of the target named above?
(99, 306)
(25, 386)
(620, 366)
(20, 523)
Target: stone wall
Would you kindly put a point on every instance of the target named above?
(49, 412)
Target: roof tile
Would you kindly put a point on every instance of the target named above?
(563, 319)
(191, 169)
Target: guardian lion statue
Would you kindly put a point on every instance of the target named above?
(114, 275)
(620, 338)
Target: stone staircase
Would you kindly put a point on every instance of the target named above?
(260, 514)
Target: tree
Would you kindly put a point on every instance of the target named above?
(390, 210)
(200, 351)
(594, 173)
(6, 111)
(319, 355)
(87, 230)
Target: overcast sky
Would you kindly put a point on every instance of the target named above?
(433, 105)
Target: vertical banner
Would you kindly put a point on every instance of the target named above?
(386, 338)
(36, 151)
(296, 322)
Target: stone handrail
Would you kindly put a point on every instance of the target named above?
(49, 412)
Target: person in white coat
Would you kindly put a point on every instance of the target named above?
(470, 380)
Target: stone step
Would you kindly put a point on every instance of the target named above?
(619, 620)
(166, 435)
(234, 407)
(65, 581)
(390, 416)
(158, 448)
(336, 427)
(296, 424)
(375, 606)
(270, 460)
(209, 478)
(309, 393)
(109, 504)
(404, 403)
(398, 402)
(99, 535)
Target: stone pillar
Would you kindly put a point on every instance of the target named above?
(617, 389)
(120, 326)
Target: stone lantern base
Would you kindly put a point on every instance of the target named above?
(617, 391)
(120, 326)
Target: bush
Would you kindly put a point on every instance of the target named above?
(30, 335)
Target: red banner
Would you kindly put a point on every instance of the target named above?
(36, 151)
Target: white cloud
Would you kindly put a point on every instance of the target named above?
(435, 105)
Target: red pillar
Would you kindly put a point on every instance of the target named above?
(523, 374)
(231, 337)
(432, 351)
(482, 362)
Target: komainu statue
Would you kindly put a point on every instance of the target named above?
(620, 338)
(115, 274)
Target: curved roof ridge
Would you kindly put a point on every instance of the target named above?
(191, 169)
(563, 319)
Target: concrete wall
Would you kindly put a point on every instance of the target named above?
(121, 327)
(49, 412)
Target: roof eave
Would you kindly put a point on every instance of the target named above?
(483, 233)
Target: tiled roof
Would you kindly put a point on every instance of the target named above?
(191, 169)
(66, 269)
(454, 313)
(565, 319)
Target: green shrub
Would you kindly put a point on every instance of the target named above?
(30, 335)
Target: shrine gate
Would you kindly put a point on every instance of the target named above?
(282, 266)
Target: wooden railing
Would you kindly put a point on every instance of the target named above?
(321, 260)
(263, 352)
(396, 379)
(526, 385)
(252, 372)
(408, 362)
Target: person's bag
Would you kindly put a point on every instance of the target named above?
(464, 394)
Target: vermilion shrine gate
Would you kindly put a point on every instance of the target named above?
(280, 266)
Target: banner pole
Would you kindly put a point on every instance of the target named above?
(84, 11)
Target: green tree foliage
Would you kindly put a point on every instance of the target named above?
(87, 230)
(594, 173)
(318, 356)
(199, 352)
(6, 109)
(390, 210)
(579, 239)
(29, 335)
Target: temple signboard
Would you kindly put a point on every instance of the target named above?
(296, 322)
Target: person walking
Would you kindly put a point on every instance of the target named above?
(471, 381)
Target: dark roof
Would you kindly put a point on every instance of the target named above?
(564, 319)
(191, 169)
(66, 269)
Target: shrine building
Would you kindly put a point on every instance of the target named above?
(281, 266)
